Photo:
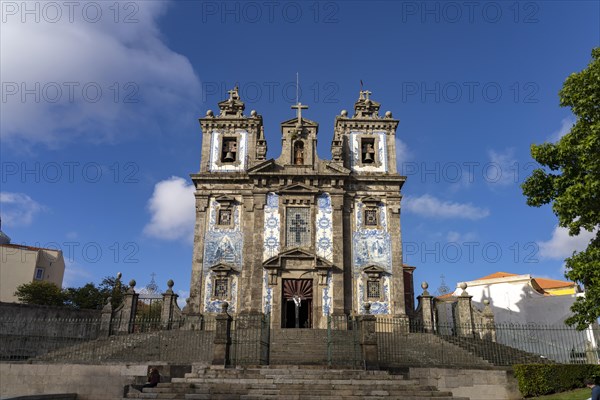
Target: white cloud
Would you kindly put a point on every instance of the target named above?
(173, 210)
(565, 127)
(137, 74)
(18, 209)
(561, 245)
(502, 169)
(457, 237)
(402, 152)
(429, 206)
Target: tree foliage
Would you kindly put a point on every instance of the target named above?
(88, 296)
(570, 181)
(40, 293)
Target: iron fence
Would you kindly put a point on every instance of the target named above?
(343, 342)
(79, 341)
(250, 337)
(402, 343)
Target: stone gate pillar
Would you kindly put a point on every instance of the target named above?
(169, 302)
(368, 339)
(426, 308)
(130, 299)
(464, 313)
(106, 318)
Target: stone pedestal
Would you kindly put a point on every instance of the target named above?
(426, 309)
(168, 306)
(368, 341)
(222, 341)
(128, 310)
(464, 313)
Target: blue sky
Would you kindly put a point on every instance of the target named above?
(100, 103)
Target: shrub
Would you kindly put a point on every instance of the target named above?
(541, 379)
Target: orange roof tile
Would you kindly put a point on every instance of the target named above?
(496, 275)
(553, 283)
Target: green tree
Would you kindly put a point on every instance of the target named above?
(570, 181)
(85, 297)
(41, 293)
(111, 286)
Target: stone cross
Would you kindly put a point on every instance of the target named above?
(299, 107)
(298, 227)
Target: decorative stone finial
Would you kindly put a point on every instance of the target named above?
(170, 283)
(388, 114)
(486, 302)
(108, 306)
(253, 113)
(367, 308)
(119, 275)
(132, 283)
(424, 285)
(210, 113)
(344, 113)
(463, 286)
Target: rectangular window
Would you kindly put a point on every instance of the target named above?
(371, 217)
(39, 274)
(297, 227)
(229, 150)
(221, 286)
(373, 290)
(224, 217)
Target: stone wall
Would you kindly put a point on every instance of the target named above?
(476, 384)
(17, 311)
(29, 330)
(90, 382)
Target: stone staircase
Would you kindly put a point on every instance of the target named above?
(310, 346)
(495, 353)
(290, 383)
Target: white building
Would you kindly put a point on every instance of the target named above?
(530, 314)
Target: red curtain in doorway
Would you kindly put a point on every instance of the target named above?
(297, 287)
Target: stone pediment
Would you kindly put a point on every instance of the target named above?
(299, 188)
(223, 269)
(336, 168)
(265, 166)
(373, 271)
(297, 259)
(371, 200)
(225, 200)
(305, 122)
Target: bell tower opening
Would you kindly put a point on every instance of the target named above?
(299, 153)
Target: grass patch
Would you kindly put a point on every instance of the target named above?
(578, 394)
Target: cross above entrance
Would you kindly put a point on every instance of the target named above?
(298, 227)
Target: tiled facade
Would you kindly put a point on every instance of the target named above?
(298, 234)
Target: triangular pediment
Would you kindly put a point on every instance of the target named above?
(305, 122)
(337, 168)
(299, 188)
(222, 267)
(265, 166)
(373, 269)
(371, 200)
(296, 253)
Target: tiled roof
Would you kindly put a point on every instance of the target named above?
(496, 275)
(553, 283)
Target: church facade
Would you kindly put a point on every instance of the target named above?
(299, 237)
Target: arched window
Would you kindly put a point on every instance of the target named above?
(299, 153)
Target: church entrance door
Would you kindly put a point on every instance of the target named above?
(296, 305)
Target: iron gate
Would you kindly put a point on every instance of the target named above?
(343, 342)
(250, 335)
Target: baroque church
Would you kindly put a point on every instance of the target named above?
(298, 237)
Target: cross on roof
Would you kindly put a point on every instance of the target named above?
(299, 107)
(233, 92)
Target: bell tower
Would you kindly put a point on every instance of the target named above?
(232, 141)
(299, 140)
(365, 142)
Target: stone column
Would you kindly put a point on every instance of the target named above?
(368, 339)
(191, 321)
(464, 313)
(426, 308)
(398, 306)
(197, 279)
(106, 318)
(337, 275)
(489, 326)
(130, 299)
(222, 341)
(169, 301)
(254, 211)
